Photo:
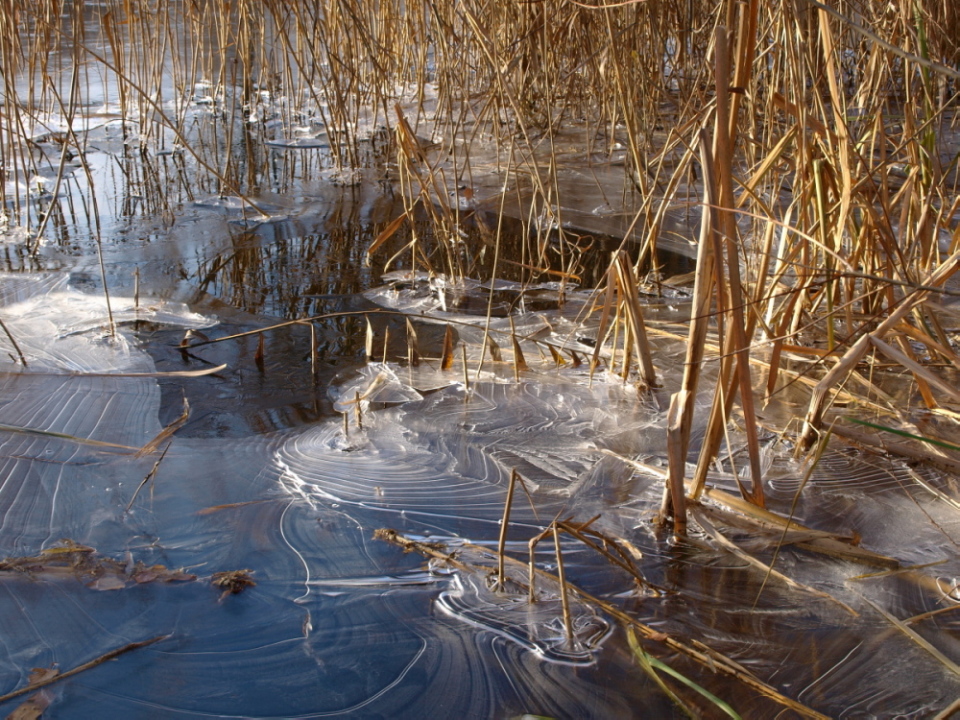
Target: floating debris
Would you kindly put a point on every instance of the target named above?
(232, 581)
(93, 570)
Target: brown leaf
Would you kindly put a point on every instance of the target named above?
(233, 581)
(557, 357)
(41, 674)
(68, 548)
(32, 708)
(192, 335)
(179, 576)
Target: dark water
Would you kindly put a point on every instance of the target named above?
(264, 477)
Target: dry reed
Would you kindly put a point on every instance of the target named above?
(824, 134)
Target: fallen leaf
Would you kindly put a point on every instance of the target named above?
(41, 674)
(32, 708)
(233, 581)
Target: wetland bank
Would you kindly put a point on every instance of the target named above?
(479, 359)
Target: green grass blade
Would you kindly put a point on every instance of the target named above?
(904, 433)
(649, 663)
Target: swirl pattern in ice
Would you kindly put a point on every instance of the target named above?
(452, 452)
(340, 624)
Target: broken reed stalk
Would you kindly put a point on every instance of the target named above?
(314, 361)
(738, 342)
(674, 494)
(915, 637)
(703, 521)
(532, 569)
(634, 315)
(893, 447)
(561, 576)
(746, 49)
(822, 542)
(446, 359)
(610, 548)
(13, 341)
(368, 339)
(519, 362)
(920, 373)
(413, 345)
(136, 289)
(167, 432)
(504, 524)
(608, 303)
(622, 300)
(699, 653)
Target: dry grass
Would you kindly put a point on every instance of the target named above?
(819, 139)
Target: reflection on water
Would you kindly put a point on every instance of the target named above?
(317, 434)
(342, 624)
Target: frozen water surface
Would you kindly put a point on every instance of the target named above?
(342, 624)
(301, 448)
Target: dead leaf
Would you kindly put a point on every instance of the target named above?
(68, 547)
(32, 708)
(233, 581)
(41, 674)
(95, 571)
(178, 576)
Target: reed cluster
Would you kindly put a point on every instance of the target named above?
(817, 140)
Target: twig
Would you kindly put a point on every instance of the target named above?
(81, 668)
(16, 347)
(153, 471)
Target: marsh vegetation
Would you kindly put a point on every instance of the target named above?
(636, 321)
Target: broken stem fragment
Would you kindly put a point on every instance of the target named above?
(81, 668)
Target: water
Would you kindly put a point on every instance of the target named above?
(265, 476)
(340, 623)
